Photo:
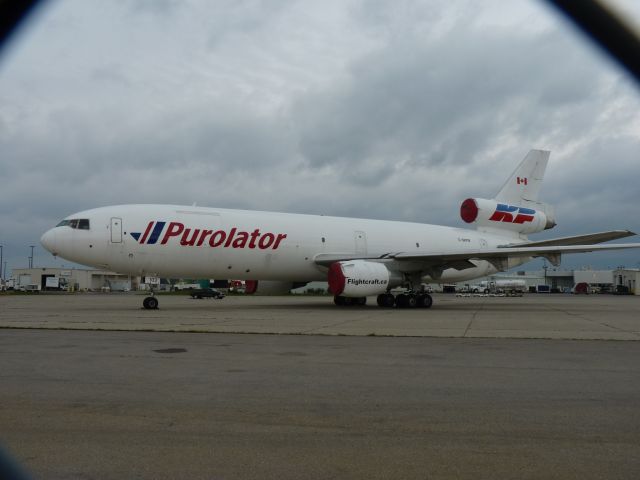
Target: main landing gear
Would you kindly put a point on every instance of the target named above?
(388, 300)
(405, 300)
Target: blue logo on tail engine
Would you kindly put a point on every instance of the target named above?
(512, 214)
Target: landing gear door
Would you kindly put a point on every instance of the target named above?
(116, 230)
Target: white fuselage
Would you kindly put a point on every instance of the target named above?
(197, 242)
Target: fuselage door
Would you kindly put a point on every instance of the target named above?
(116, 230)
(360, 238)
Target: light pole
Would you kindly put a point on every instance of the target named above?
(1, 270)
(31, 257)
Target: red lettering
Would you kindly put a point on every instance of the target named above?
(217, 238)
(501, 217)
(241, 240)
(521, 218)
(203, 236)
(175, 229)
(191, 237)
(254, 235)
(281, 236)
(189, 242)
(231, 234)
(266, 241)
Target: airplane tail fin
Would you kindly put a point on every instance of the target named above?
(524, 183)
(515, 210)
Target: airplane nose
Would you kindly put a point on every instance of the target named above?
(49, 241)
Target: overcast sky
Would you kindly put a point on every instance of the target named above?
(368, 108)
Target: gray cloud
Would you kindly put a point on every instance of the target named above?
(392, 110)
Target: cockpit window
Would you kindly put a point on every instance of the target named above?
(77, 223)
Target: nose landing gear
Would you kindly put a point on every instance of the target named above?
(150, 303)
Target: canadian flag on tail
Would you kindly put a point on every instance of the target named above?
(521, 180)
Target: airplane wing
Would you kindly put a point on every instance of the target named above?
(461, 259)
(588, 239)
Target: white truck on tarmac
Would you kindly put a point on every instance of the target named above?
(507, 287)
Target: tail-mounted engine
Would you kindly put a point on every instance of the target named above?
(515, 218)
(359, 278)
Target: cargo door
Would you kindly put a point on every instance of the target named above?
(360, 239)
(116, 230)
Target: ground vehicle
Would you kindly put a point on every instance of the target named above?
(186, 286)
(207, 293)
(621, 290)
(509, 287)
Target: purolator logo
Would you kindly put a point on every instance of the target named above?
(197, 237)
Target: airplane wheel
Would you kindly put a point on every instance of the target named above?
(406, 300)
(386, 300)
(425, 300)
(412, 300)
(150, 303)
(339, 300)
(402, 301)
(360, 301)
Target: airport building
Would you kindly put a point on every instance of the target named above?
(621, 279)
(72, 279)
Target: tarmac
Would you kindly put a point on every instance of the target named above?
(550, 316)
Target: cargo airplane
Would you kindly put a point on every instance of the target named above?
(276, 252)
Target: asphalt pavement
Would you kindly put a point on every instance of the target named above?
(93, 386)
(532, 316)
(153, 405)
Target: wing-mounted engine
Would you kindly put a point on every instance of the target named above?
(494, 215)
(360, 278)
(271, 287)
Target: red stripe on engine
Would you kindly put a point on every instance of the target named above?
(336, 279)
